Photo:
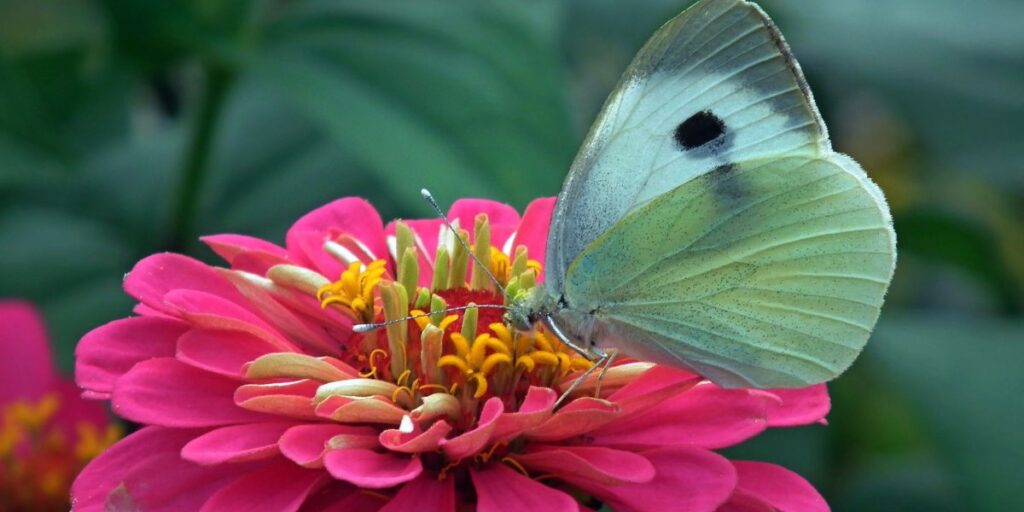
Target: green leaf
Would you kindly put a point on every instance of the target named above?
(460, 98)
(962, 375)
(951, 70)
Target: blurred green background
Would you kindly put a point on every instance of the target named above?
(129, 127)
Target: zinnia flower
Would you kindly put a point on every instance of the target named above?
(47, 432)
(255, 394)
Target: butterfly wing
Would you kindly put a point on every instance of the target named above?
(707, 223)
(715, 85)
(766, 273)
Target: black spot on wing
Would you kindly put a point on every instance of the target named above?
(698, 130)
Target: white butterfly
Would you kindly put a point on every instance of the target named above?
(706, 222)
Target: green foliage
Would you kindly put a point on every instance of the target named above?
(276, 107)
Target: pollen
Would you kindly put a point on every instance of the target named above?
(38, 458)
(355, 289)
(476, 360)
(429, 359)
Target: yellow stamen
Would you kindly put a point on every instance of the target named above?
(527, 363)
(419, 316)
(542, 342)
(563, 363)
(372, 373)
(535, 266)
(501, 332)
(544, 357)
(516, 465)
(376, 494)
(461, 345)
(456, 361)
(435, 387)
(448, 320)
(354, 289)
(481, 385)
(403, 377)
(486, 456)
(492, 361)
(499, 264)
(395, 393)
(441, 475)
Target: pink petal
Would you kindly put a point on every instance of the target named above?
(169, 393)
(652, 388)
(212, 312)
(307, 444)
(503, 218)
(25, 360)
(371, 470)
(253, 254)
(473, 441)
(424, 494)
(144, 310)
(581, 416)
(535, 409)
(800, 406)
(706, 416)
(686, 478)
(779, 487)
(108, 470)
(533, 230)
(282, 486)
(352, 216)
(339, 496)
(75, 410)
(293, 399)
(499, 488)
(236, 443)
(295, 328)
(415, 442)
(108, 351)
(743, 502)
(365, 410)
(605, 466)
(335, 325)
(221, 352)
(155, 276)
(165, 482)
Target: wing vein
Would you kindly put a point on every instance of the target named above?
(784, 353)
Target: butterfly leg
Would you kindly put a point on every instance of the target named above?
(608, 358)
(600, 358)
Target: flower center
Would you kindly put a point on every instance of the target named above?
(36, 462)
(470, 356)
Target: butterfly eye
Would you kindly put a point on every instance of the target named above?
(699, 129)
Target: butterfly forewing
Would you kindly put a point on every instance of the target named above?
(713, 86)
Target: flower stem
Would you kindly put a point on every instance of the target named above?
(218, 81)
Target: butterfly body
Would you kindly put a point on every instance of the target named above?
(707, 223)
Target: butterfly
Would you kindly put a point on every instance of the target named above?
(706, 222)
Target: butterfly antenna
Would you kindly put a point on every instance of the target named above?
(361, 328)
(437, 209)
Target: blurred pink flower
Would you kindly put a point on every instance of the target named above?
(47, 432)
(255, 393)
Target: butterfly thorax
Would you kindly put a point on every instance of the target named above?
(544, 309)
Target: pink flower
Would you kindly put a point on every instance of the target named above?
(255, 393)
(47, 432)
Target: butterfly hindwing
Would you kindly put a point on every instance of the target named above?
(713, 86)
(766, 273)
